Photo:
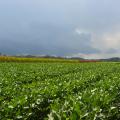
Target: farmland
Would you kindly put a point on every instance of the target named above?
(35, 59)
(60, 91)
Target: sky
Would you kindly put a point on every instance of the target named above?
(78, 28)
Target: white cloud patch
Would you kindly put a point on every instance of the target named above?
(96, 56)
(78, 31)
(106, 41)
(81, 31)
(111, 40)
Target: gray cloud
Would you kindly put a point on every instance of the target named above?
(48, 39)
(60, 27)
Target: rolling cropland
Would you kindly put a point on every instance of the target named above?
(59, 90)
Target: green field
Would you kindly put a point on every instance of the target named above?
(60, 91)
(35, 59)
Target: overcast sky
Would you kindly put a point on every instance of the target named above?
(85, 28)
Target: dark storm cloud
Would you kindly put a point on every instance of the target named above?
(47, 39)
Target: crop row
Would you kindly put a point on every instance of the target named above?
(59, 91)
(35, 59)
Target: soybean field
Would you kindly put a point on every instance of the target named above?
(60, 91)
